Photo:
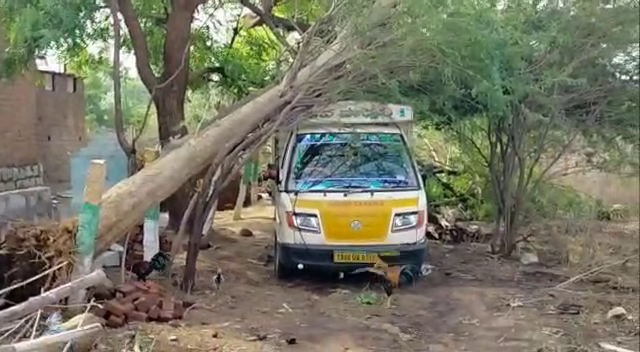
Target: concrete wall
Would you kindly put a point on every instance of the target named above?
(61, 129)
(31, 204)
(20, 177)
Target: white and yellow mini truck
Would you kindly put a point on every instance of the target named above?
(348, 191)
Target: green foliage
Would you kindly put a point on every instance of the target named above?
(98, 87)
(515, 87)
(553, 201)
(34, 27)
(68, 27)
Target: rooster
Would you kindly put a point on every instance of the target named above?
(158, 262)
(392, 276)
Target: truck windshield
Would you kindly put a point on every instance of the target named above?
(341, 161)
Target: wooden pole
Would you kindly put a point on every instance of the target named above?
(45, 343)
(242, 194)
(88, 223)
(151, 238)
(33, 304)
(256, 174)
(248, 179)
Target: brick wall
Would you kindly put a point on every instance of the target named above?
(18, 143)
(61, 127)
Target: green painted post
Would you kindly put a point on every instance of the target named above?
(88, 222)
(151, 228)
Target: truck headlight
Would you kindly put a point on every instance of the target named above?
(407, 221)
(303, 222)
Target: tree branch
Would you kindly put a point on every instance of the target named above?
(140, 45)
(283, 23)
(117, 91)
(267, 18)
(196, 75)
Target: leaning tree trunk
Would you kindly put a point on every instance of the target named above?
(125, 203)
(170, 107)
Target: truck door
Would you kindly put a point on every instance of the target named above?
(282, 144)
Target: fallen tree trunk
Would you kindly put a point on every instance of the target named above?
(126, 203)
(49, 341)
(33, 304)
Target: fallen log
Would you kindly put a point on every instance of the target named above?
(48, 341)
(126, 203)
(33, 304)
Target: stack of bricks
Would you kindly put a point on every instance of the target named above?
(135, 249)
(139, 302)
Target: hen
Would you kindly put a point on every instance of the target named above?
(144, 268)
(392, 276)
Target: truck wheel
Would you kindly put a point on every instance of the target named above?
(281, 269)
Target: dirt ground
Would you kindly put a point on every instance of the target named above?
(470, 302)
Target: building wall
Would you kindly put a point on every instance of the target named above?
(61, 129)
(18, 142)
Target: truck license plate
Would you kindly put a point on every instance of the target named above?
(354, 257)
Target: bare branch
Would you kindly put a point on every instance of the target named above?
(268, 20)
(117, 89)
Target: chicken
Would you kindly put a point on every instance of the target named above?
(158, 262)
(218, 279)
(392, 276)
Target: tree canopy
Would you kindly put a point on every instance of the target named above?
(517, 84)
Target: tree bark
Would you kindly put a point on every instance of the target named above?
(169, 97)
(169, 90)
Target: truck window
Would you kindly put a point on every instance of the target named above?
(339, 161)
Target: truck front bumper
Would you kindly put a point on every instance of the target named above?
(321, 256)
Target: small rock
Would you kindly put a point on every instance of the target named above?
(390, 329)
(246, 232)
(528, 258)
(173, 338)
(257, 337)
(175, 323)
(616, 313)
(215, 335)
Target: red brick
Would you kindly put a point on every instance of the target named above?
(98, 312)
(129, 307)
(137, 316)
(140, 286)
(115, 321)
(154, 313)
(155, 288)
(144, 303)
(165, 316)
(126, 289)
(132, 297)
(115, 308)
(167, 304)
